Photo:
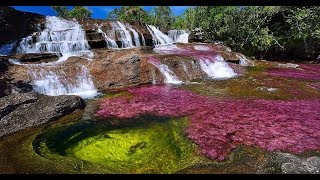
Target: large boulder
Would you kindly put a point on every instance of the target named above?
(196, 35)
(118, 69)
(30, 109)
(15, 25)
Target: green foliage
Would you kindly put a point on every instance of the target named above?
(186, 20)
(161, 16)
(61, 11)
(129, 13)
(78, 12)
(255, 29)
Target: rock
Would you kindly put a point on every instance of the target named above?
(196, 35)
(30, 109)
(291, 164)
(119, 69)
(95, 39)
(34, 57)
(10, 103)
(15, 25)
(3, 66)
(5, 88)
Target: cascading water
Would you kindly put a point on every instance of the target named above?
(63, 37)
(135, 35)
(53, 81)
(178, 36)
(111, 43)
(158, 37)
(60, 36)
(142, 37)
(170, 77)
(244, 61)
(216, 67)
(123, 34)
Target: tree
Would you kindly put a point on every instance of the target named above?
(78, 12)
(61, 11)
(186, 20)
(162, 17)
(129, 13)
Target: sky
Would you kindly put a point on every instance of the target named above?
(98, 12)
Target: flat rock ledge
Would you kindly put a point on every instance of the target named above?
(21, 111)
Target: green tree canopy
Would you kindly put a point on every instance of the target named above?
(78, 12)
(161, 16)
(129, 13)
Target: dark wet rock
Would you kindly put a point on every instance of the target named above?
(95, 39)
(5, 88)
(196, 35)
(21, 87)
(35, 57)
(15, 25)
(30, 109)
(3, 66)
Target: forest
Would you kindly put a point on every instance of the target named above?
(261, 32)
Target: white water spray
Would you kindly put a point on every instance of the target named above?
(123, 34)
(135, 35)
(178, 36)
(111, 43)
(170, 76)
(158, 37)
(60, 36)
(53, 82)
(216, 68)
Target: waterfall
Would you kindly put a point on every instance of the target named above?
(60, 36)
(135, 35)
(53, 81)
(244, 61)
(216, 67)
(158, 37)
(169, 75)
(111, 44)
(142, 37)
(178, 36)
(123, 34)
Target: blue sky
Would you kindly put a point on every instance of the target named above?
(98, 12)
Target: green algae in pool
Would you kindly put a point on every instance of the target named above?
(158, 146)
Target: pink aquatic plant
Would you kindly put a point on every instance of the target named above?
(220, 125)
(305, 71)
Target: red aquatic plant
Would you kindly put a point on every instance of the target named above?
(305, 71)
(219, 125)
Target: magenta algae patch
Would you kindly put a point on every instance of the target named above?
(217, 126)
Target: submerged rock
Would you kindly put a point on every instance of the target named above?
(30, 109)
